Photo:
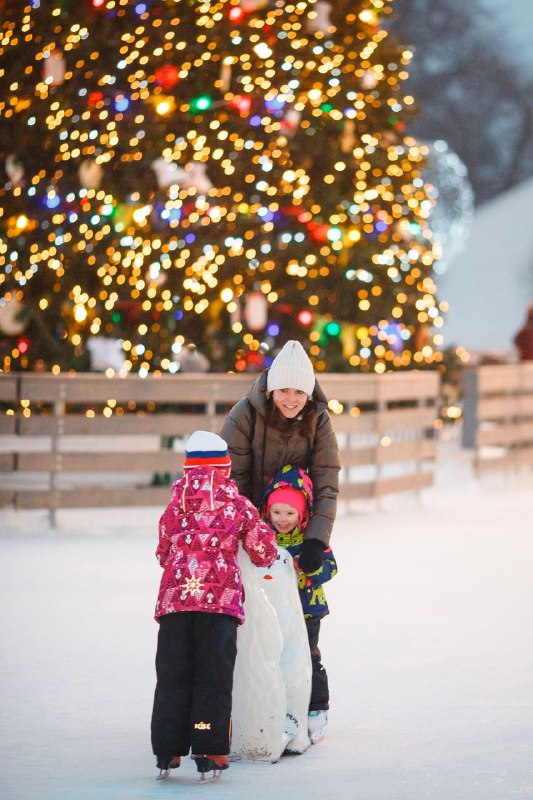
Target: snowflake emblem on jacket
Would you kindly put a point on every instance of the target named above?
(193, 586)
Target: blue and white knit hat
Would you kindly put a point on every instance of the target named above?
(206, 449)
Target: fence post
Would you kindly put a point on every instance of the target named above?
(421, 436)
(18, 432)
(470, 408)
(381, 407)
(59, 430)
(349, 442)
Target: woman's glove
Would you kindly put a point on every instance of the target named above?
(310, 559)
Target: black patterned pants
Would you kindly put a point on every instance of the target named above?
(195, 660)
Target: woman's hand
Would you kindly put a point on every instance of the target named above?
(311, 554)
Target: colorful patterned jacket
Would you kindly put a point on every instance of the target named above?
(199, 535)
(310, 587)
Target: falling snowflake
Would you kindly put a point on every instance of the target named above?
(193, 586)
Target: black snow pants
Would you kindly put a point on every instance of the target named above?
(319, 684)
(195, 660)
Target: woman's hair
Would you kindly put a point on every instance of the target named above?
(305, 420)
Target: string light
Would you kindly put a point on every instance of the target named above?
(210, 151)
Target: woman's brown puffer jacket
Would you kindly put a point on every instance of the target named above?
(258, 450)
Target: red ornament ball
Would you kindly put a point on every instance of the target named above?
(318, 232)
(94, 99)
(167, 76)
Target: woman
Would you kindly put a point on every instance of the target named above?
(284, 420)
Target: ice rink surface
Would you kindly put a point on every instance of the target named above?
(429, 650)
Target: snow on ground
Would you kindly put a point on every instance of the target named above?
(429, 650)
(489, 285)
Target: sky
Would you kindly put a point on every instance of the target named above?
(428, 649)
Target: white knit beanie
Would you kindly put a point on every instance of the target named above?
(291, 369)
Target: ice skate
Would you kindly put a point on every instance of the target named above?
(165, 764)
(316, 725)
(210, 764)
(291, 729)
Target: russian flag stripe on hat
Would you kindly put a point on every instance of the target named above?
(203, 459)
(206, 449)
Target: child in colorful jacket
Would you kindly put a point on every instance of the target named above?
(200, 604)
(287, 505)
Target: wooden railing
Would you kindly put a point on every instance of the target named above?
(498, 416)
(85, 440)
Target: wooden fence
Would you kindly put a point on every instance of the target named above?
(85, 440)
(498, 416)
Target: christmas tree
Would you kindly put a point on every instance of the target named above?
(230, 173)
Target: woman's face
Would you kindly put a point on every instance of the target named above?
(289, 402)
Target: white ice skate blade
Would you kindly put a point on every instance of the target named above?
(291, 750)
(204, 780)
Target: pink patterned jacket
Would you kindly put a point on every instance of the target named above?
(199, 535)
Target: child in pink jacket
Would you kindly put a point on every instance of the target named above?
(200, 605)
